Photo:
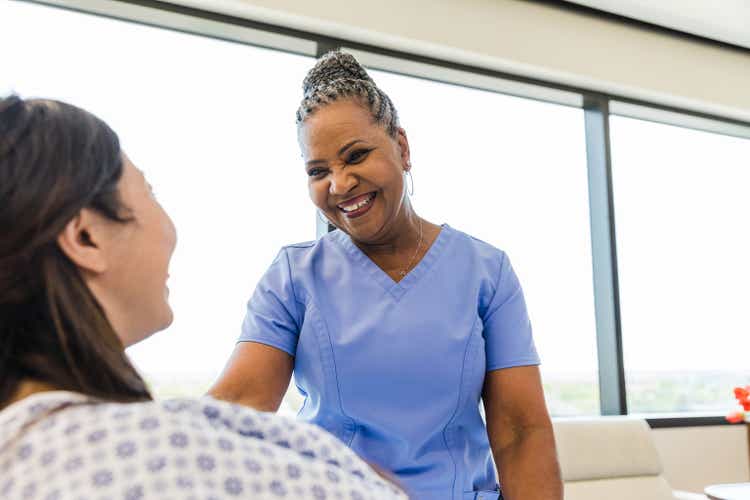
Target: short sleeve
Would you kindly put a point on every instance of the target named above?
(507, 329)
(272, 316)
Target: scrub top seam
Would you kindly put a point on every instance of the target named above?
(499, 307)
(297, 301)
(301, 391)
(497, 281)
(271, 343)
(318, 318)
(515, 363)
(455, 409)
(306, 244)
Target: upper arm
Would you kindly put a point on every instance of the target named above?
(514, 403)
(521, 434)
(512, 394)
(258, 372)
(274, 315)
(256, 375)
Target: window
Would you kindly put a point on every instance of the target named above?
(681, 209)
(211, 123)
(197, 118)
(512, 172)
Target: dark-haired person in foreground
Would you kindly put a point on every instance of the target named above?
(84, 255)
(396, 327)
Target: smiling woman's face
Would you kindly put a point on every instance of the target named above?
(355, 170)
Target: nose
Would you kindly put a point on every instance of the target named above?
(342, 182)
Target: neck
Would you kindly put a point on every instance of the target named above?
(26, 389)
(107, 300)
(402, 236)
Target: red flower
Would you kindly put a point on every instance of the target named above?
(741, 393)
(735, 417)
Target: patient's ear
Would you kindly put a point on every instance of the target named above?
(83, 241)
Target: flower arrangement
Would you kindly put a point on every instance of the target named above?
(743, 398)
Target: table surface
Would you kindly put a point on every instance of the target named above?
(733, 491)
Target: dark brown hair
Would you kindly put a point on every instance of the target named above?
(55, 160)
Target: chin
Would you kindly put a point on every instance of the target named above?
(371, 231)
(156, 322)
(168, 318)
(162, 321)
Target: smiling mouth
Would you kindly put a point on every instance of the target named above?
(357, 206)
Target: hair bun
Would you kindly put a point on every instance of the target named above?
(335, 65)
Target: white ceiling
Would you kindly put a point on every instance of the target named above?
(724, 20)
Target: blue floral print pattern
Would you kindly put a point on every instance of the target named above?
(61, 445)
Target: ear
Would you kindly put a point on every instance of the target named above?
(80, 242)
(405, 153)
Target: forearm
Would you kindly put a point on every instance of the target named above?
(256, 375)
(247, 397)
(528, 466)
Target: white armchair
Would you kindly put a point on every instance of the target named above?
(612, 458)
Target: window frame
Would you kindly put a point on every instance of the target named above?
(596, 105)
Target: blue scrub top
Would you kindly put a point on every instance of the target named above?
(395, 370)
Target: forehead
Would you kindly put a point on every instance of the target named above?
(131, 175)
(337, 123)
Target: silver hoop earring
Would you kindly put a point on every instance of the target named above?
(410, 184)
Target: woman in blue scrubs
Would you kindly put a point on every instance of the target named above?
(395, 328)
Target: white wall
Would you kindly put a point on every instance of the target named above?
(694, 457)
(528, 38)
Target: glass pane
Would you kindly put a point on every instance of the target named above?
(681, 207)
(512, 172)
(211, 123)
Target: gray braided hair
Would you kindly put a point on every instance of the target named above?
(338, 75)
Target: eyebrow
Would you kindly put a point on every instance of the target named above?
(341, 151)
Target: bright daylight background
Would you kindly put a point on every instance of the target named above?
(211, 123)
(681, 208)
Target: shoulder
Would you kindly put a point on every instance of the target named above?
(300, 247)
(307, 254)
(299, 251)
(483, 253)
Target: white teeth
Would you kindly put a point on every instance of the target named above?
(357, 206)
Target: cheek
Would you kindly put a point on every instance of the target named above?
(318, 194)
(389, 178)
(160, 233)
(158, 240)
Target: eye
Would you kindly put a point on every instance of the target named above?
(316, 172)
(358, 156)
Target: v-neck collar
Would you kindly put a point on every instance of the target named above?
(396, 289)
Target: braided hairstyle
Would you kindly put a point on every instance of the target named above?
(55, 160)
(337, 75)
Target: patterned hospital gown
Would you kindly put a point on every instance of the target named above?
(63, 445)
